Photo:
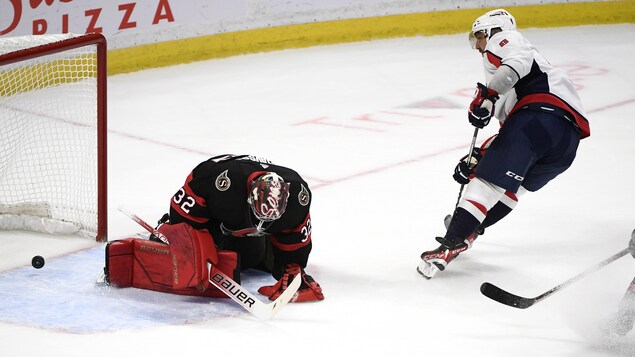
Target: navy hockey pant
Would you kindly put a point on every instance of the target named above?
(532, 148)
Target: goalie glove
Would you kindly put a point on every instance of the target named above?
(309, 290)
(482, 106)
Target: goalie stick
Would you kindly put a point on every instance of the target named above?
(495, 293)
(232, 289)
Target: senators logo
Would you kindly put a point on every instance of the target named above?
(223, 182)
(303, 197)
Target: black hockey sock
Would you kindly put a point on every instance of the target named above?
(461, 226)
(495, 214)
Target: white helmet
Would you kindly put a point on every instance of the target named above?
(499, 18)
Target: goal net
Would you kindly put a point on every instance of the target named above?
(53, 134)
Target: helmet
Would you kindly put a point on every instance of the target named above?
(498, 18)
(268, 195)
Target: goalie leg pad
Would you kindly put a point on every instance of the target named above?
(228, 263)
(179, 268)
(119, 262)
(138, 263)
(191, 250)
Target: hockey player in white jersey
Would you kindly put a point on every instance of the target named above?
(542, 122)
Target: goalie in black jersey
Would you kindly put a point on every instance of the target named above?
(257, 209)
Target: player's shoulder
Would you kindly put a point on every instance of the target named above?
(249, 164)
(246, 165)
(263, 164)
(510, 35)
(288, 174)
(506, 41)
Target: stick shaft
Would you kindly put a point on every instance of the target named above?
(495, 293)
(469, 159)
(592, 269)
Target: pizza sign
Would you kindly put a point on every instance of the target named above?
(38, 17)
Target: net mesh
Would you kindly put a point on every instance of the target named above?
(48, 133)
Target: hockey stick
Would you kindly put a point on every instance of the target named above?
(247, 300)
(144, 224)
(231, 288)
(427, 270)
(469, 160)
(495, 293)
(448, 218)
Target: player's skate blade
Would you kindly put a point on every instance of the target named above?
(427, 270)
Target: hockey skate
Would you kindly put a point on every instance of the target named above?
(434, 261)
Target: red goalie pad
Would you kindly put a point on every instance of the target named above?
(179, 268)
(191, 250)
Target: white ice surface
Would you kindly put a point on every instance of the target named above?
(376, 128)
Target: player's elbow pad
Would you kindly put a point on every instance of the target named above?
(503, 80)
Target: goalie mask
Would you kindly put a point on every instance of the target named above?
(268, 196)
(498, 18)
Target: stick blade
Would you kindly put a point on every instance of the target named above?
(286, 295)
(497, 294)
(247, 300)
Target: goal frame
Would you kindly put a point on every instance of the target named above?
(99, 41)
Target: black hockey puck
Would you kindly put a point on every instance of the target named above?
(37, 262)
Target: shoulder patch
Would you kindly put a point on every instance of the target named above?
(503, 42)
(223, 182)
(303, 196)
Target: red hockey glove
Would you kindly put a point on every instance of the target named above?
(309, 290)
(482, 106)
(464, 171)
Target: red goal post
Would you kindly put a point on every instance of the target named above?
(53, 171)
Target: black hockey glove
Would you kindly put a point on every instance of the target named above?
(482, 106)
(464, 171)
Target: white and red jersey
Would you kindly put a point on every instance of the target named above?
(539, 81)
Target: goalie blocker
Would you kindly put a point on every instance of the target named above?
(177, 268)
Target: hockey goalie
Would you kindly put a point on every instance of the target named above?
(234, 211)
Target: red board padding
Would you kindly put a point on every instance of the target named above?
(178, 268)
